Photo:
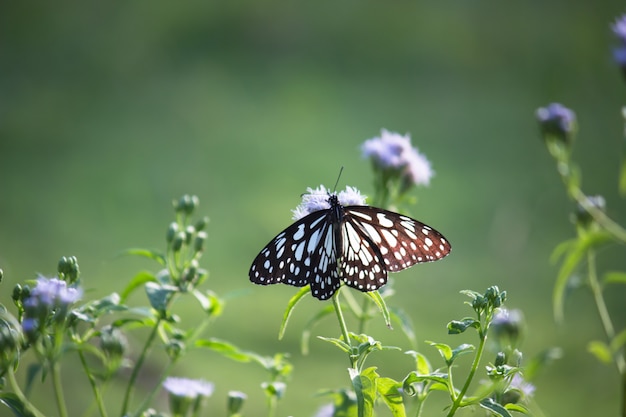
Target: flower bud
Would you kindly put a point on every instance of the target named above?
(201, 224)
(179, 239)
(1, 274)
(172, 230)
(187, 204)
(619, 52)
(68, 269)
(500, 359)
(583, 218)
(113, 342)
(235, 402)
(9, 343)
(198, 244)
(508, 326)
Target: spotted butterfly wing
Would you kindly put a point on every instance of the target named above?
(354, 244)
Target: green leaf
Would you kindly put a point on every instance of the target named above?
(138, 280)
(290, 306)
(16, 405)
(382, 306)
(444, 350)
(618, 341)
(572, 259)
(364, 385)
(460, 350)
(327, 310)
(615, 277)
(459, 326)
(225, 349)
(337, 342)
(391, 395)
(495, 408)
(601, 351)
(147, 253)
(517, 407)
(159, 295)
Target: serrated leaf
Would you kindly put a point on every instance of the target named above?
(290, 306)
(388, 389)
(495, 408)
(601, 351)
(137, 281)
(615, 277)
(570, 262)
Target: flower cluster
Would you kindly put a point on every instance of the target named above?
(556, 120)
(316, 199)
(619, 52)
(394, 155)
(50, 299)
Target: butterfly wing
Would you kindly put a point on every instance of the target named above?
(400, 240)
(361, 263)
(303, 253)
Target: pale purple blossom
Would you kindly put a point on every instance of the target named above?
(52, 293)
(619, 52)
(316, 199)
(556, 118)
(29, 325)
(187, 387)
(526, 388)
(393, 152)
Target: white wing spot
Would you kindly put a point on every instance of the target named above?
(383, 220)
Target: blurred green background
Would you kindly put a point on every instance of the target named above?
(110, 110)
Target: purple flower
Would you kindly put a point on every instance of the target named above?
(189, 388)
(526, 388)
(54, 292)
(619, 28)
(619, 52)
(317, 199)
(556, 119)
(393, 153)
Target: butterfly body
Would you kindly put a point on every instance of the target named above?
(354, 244)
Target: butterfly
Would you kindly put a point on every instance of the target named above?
(354, 244)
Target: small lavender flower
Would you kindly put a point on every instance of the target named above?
(317, 199)
(619, 52)
(508, 325)
(393, 154)
(189, 388)
(557, 120)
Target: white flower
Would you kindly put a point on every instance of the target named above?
(189, 388)
(317, 199)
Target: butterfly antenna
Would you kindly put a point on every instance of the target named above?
(337, 182)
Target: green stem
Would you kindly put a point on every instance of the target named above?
(607, 323)
(599, 216)
(479, 353)
(342, 324)
(58, 389)
(92, 382)
(133, 377)
(20, 395)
